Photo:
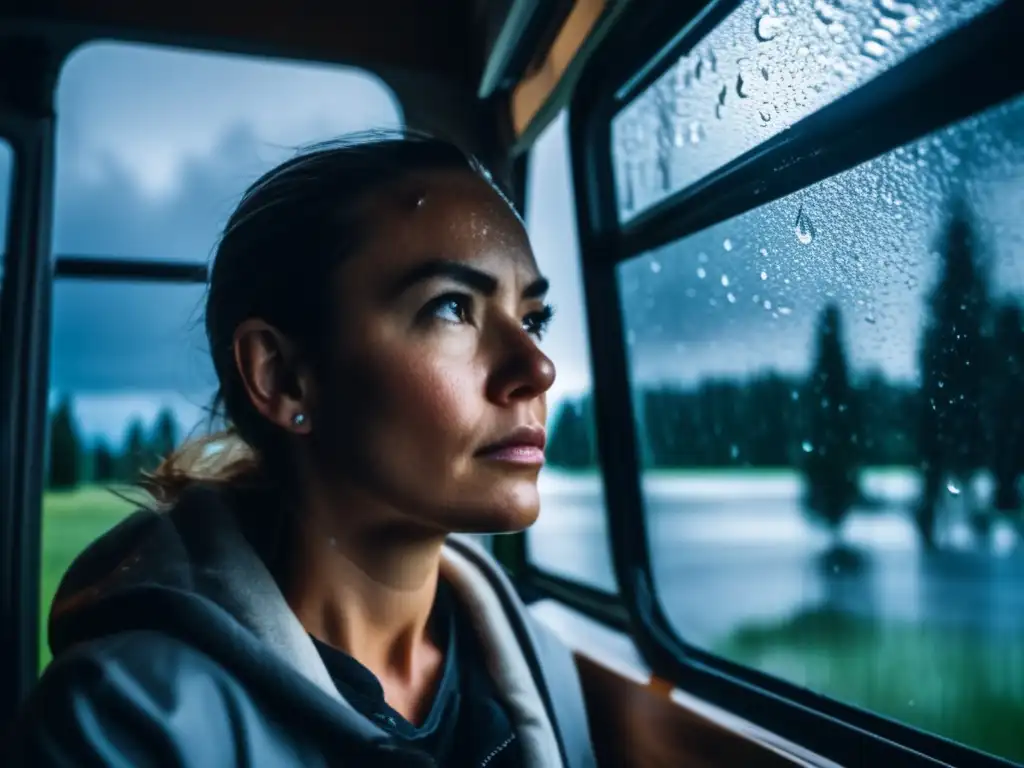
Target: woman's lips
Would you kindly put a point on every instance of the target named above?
(515, 454)
(523, 445)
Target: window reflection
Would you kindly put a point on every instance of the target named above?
(768, 65)
(828, 393)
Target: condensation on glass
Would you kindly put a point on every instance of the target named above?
(767, 66)
(829, 392)
(570, 538)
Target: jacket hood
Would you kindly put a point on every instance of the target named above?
(190, 572)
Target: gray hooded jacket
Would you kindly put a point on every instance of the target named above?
(174, 646)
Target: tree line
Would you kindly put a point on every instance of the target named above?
(74, 461)
(964, 417)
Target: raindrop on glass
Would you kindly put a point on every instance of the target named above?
(727, 244)
(739, 87)
(696, 132)
(725, 281)
(731, 297)
(768, 27)
(807, 446)
(874, 49)
(764, 275)
(953, 488)
(655, 267)
(804, 228)
(701, 272)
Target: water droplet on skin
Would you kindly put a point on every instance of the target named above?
(725, 281)
(731, 298)
(727, 244)
(953, 488)
(767, 304)
(655, 267)
(804, 228)
(764, 275)
(701, 272)
(807, 446)
(768, 27)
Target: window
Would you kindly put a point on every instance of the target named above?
(769, 64)
(827, 390)
(155, 146)
(570, 538)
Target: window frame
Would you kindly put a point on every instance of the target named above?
(947, 81)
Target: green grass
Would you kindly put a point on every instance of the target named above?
(959, 684)
(71, 520)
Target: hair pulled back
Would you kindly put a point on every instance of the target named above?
(292, 227)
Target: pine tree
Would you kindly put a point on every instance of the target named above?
(952, 440)
(135, 457)
(570, 446)
(65, 458)
(165, 436)
(831, 461)
(104, 463)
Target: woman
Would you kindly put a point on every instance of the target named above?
(373, 317)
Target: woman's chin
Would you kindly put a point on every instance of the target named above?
(513, 510)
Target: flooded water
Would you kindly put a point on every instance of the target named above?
(731, 551)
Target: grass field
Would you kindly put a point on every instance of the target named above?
(956, 683)
(70, 521)
(966, 687)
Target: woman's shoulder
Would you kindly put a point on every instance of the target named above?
(139, 698)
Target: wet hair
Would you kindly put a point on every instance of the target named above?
(292, 227)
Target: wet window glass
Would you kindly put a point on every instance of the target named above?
(570, 538)
(765, 67)
(828, 395)
(155, 147)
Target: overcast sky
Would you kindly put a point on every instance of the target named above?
(156, 145)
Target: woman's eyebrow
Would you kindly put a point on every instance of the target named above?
(471, 277)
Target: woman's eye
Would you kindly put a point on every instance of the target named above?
(452, 309)
(536, 323)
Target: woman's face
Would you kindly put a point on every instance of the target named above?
(433, 404)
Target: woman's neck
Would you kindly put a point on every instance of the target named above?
(368, 590)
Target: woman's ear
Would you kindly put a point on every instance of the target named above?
(277, 384)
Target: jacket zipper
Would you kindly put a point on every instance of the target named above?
(497, 750)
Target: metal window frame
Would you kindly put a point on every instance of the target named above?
(938, 86)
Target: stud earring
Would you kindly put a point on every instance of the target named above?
(299, 419)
